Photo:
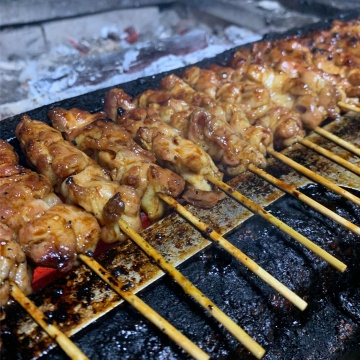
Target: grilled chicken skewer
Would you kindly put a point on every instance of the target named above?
(79, 179)
(29, 132)
(171, 150)
(35, 222)
(200, 119)
(113, 147)
(49, 241)
(13, 265)
(280, 120)
(91, 188)
(62, 119)
(247, 202)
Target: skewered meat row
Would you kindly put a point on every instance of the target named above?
(309, 74)
(171, 150)
(230, 111)
(211, 137)
(35, 223)
(249, 104)
(13, 265)
(316, 71)
(39, 219)
(281, 97)
(305, 74)
(231, 150)
(79, 179)
(113, 147)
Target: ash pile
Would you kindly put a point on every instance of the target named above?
(51, 50)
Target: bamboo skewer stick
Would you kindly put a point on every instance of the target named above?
(145, 309)
(238, 254)
(195, 293)
(337, 140)
(330, 155)
(257, 209)
(349, 107)
(64, 342)
(304, 198)
(317, 178)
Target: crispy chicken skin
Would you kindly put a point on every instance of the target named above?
(79, 179)
(180, 106)
(24, 194)
(171, 150)
(13, 265)
(309, 74)
(55, 238)
(112, 147)
(47, 151)
(94, 191)
(28, 202)
(244, 103)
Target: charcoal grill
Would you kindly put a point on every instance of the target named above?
(328, 329)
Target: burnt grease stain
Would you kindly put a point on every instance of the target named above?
(330, 326)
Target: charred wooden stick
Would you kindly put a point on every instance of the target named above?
(317, 178)
(145, 309)
(64, 342)
(304, 198)
(238, 254)
(194, 292)
(337, 140)
(257, 209)
(330, 155)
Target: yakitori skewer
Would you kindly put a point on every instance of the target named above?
(304, 198)
(64, 342)
(315, 177)
(330, 155)
(238, 254)
(336, 263)
(194, 292)
(337, 140)
(84, 138)
(257, 209)
(91, 176)
(144, 309)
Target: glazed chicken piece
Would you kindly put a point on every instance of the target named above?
(113, 147)
(242, 104)
(298, 96)
(337, 53)
(296, 61)
(28, 201)
(198, 122)
(83, 182)
(55, 238)
(24, 194)
(47, 151)
(171, 150)
(321, 70)
(13, 265)
(202, 80)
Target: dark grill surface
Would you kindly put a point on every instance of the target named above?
(328, 329)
